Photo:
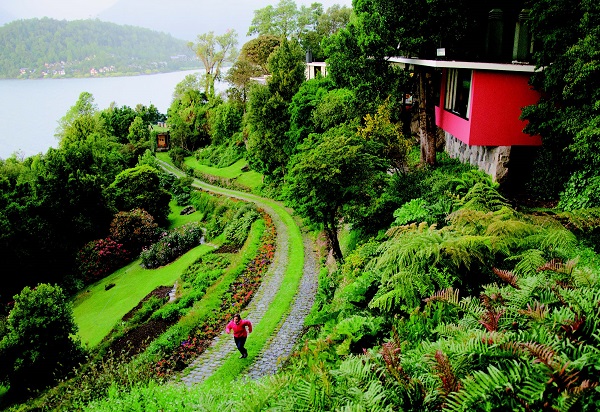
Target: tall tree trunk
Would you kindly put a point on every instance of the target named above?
(334, 243)
(427, 127)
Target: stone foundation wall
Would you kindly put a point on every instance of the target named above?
(493, 160)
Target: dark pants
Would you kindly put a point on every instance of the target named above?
(240, 342)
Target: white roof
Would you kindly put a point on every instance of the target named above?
(453, 64)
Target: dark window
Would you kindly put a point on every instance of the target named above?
(458, 92)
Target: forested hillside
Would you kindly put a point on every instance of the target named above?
(37, 48)
(438, 289)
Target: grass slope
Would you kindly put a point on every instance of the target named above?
(97, 311)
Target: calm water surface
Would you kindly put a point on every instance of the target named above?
(30, 109)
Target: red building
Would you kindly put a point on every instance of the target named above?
(479, 110)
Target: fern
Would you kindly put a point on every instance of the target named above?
(537, 312)
(507, 276)
(449, 295)
(484, 197)
(585, 220)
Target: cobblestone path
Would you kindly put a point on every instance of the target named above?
(280, 346)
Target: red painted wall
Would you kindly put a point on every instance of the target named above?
(496, 102)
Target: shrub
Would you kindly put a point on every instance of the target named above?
(39, 345)
(225, 121)
(172, 245)
(237, 229)
(134, 229)
(203, 202)
(140, 187)
(414, 211)
(100, 257)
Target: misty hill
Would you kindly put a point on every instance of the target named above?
(37, 48)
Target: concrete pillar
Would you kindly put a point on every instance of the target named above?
(495, 34)
(522, 43)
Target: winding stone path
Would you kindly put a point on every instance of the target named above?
(280, 346)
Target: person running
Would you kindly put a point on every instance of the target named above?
(238, 326)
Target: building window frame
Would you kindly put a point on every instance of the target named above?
(458, 92)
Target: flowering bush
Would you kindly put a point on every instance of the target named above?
(171, 245)
(134, 229)
(100, 257)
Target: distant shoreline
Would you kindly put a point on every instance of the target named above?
(104, 75)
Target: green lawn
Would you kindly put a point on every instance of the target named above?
(230, 172)
(97, 310)
(178, 220)
(251, 179)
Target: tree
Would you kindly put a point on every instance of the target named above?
(213, 51)
(330, 175)
(379, 128)
(257, 51)
(239, 76)
(308, 25)
(268, 118)
(80, 122)
(39, 346)
(138, 131)
(193, 81)
(116, 121)
(187, 120)
(566, 117)
(280, 21)
(139, 188)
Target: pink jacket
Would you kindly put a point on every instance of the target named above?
(239, 329)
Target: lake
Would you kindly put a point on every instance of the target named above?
(30, 109)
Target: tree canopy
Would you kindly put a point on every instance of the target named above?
(213, 50)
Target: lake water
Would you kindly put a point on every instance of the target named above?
(30, 109)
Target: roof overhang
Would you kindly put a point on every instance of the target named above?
(453, 64)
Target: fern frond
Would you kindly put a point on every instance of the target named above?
(465, 250)
(482, 384)
(537, 312)
(506, 276)
(585, 220)
(443, 368)
(528, 261)
(559, 241)
(585, 277)
(449, 295)
(388, 301)
(490, 319)
(484, 197)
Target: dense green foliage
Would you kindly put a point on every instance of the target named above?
(268, 117)
(38, 346)
(442, 294)
(567, 115)
(46, 47)
(140, 187)
(309, 25)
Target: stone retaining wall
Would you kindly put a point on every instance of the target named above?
(491, 159)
